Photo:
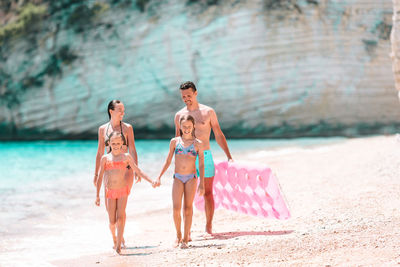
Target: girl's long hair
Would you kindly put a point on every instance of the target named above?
(186, 118)
(115, 133)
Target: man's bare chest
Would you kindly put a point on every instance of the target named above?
(201, 119)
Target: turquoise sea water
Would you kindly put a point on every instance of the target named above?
(27, 163)
(46, 190)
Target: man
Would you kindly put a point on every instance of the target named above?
(205, 120)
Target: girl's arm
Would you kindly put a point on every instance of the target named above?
(200, 152)
(172, 145)
(100, 153)
(137, 170)
(100, 180)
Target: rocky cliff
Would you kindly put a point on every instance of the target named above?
(270, 68)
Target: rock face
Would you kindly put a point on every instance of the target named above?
(270, 68)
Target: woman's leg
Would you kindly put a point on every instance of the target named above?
(129, 177)
(111, 205)
(189, 193)
(177, 193)
(121, 217)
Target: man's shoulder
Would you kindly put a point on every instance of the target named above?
(205, 108)
(181, 112)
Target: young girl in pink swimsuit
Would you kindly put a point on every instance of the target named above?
(186, 148)
(113, 167)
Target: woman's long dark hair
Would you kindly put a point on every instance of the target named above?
(111, 106)
(186, 118)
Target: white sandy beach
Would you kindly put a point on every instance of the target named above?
(344, 199)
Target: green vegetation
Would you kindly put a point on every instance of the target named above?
(83, 16)
(52, 68)
(28, 16)
(207, 2)
(383, 30)
(370, 46)
(282, 5)
(141, 4)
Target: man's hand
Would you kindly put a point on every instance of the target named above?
(97, 201)
(200, 189)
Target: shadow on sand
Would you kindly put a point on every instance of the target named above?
(229, 235)
(139, 253)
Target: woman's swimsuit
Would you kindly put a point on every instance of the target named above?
(181, 150)
(118, 192)
(108, 137)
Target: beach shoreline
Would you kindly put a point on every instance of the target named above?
(344, 200)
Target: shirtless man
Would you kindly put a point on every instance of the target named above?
(205, 119)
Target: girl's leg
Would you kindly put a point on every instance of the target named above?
(189, 193)
(177, 193)
(111, 205)
(129, 178)
(121, 217)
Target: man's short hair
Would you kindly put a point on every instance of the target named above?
(187, 85)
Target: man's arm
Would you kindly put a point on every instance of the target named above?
(177, 126)
(219, 135)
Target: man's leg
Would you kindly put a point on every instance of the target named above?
(209, 203)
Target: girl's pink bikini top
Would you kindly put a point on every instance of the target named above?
(113, 165)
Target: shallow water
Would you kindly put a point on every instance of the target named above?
(47, 195)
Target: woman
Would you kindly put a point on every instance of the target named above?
(116, 111)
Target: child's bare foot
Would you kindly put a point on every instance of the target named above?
(184, 245)
(207, 235)
(177, 242)
(123, 243)
(115, 242)
(118, 249)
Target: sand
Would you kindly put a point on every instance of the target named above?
(344, 199)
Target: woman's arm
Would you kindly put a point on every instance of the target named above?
(131, 144)
(172, 145)
(132, 149)
(100, 153)
(100, 179)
